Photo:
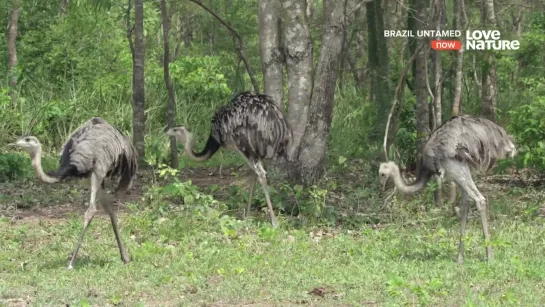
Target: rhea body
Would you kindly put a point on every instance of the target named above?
(459, 146)
(251, 124)
(95, 150)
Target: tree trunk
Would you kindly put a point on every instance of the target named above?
(372, 49)
(12, 49)
(420, 84)
(314, 144)
(139, 94)
(438, 84)
(359, 70)
(270, 45)
(171, 110)
(299, 60)
(489, 86)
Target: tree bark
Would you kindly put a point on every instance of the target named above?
(12, 49)
(314, 144)
(270, 45)
(420, 84)
(139, 94)
(171, 110)
(489, 86)
(359, 70)
(459, 60)
(299, 60)
(437, 83)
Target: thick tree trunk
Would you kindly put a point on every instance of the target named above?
(139, 95)
(270, 45)
(420, 84)
(299, 60)
(171, 110)
(12, 49)
(314, 144)
(489, 86)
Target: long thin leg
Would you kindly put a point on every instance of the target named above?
(466, 183)
(262, 177)
(464, 208)
(251, 195)
(113, 219)
(88, 217)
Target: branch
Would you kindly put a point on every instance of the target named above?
(239, 49)
(397, 96)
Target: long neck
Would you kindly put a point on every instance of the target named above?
(196, 156)
(37, 165)
(420, 182)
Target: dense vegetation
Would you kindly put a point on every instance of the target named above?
(339, 232)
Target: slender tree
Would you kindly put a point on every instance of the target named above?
(139, 94)
(171, 110)
(489, 86)
(12, 49)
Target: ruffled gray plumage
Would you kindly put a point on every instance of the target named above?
(96, 146)
(254, 124)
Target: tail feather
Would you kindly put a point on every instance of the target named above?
(128, 168)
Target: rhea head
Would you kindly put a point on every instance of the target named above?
(386, 170)
(28, 143)
(180, 133)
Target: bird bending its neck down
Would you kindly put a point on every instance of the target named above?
(391, 170)
(34, 148)
(185, 137)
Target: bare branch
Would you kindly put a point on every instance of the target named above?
(397, 97)
(239, 48)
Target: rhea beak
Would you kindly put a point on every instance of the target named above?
(12, 144)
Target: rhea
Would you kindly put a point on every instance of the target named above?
(251, 124)
(459, 146)
(96, 150)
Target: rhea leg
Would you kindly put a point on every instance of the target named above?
(96, 182)
(463, 178)
(262, 177)
(482, 207)
(464, 208)
(251, 195)
(113, 219)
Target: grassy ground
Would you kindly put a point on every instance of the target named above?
(187, 253)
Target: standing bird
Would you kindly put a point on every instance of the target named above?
(457, 147)
(251, 124)
(96, 150)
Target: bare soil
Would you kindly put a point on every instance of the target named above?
(56, 211)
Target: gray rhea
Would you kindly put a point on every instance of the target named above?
(251, 124)
(95, 150)
(460, 145)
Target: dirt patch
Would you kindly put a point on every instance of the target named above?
(34, 200)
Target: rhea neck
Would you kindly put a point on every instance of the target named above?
(187, 140)
(36, 157)
(420, 182)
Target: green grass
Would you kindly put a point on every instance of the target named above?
(192, 255)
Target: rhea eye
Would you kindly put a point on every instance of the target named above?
(27, 139)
